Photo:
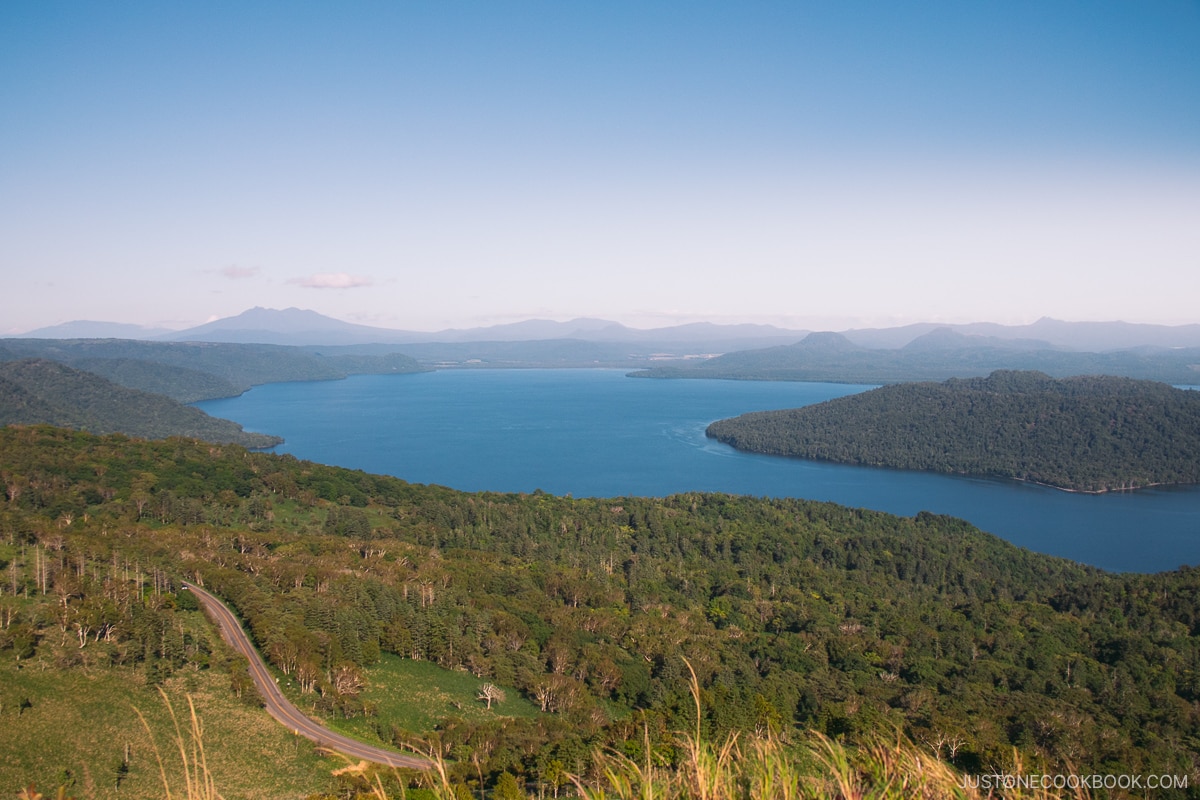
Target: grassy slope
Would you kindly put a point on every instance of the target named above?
(416, 695)
(80, 718)
(79, 721)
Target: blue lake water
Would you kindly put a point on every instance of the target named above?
(597, 433)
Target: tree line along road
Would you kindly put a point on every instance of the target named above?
(280, 707)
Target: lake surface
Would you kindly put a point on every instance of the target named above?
(597, 433)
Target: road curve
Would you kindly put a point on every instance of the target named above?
(280, 707)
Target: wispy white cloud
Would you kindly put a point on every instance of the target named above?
(234, 272)
(332, 280)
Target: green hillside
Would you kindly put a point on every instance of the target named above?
(179, 383)
(797, 616)
(1089, 433)
(191, 371)
(34, 392)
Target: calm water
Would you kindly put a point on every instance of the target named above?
(597, 433)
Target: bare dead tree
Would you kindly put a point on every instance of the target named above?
(490, 693)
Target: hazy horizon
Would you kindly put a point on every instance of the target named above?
(816, 325)
(433, 166)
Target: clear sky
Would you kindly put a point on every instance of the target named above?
(424, 165)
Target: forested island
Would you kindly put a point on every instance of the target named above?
(799, 618)
(1086, 433)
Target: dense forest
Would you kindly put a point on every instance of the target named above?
(1088, 433)
(35, 391)
(191, 371)
(140, 388)
(795, 614)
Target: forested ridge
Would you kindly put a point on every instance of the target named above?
(1085, 433)
(140, 388)
(36, 391)
(191, 371)
(795, 614)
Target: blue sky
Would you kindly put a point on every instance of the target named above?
(436, 164)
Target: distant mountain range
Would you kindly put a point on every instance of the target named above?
(90, 329)
(1094, 337)
(938, 355)
(294, 326)
(300, 327)
(228, 356)
(307, 345)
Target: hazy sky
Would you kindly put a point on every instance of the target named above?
(423, 165)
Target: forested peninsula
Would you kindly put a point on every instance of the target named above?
(142, 388)
(191, 371)
(1086, 433)
(36, 391)
(799, 618)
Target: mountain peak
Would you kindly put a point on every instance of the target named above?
(273, 317)
(286, 326)
(827, 341)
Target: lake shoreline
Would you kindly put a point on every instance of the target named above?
(594, 433)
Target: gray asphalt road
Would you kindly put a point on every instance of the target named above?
(280, 707)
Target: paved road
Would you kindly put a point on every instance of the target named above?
(280, 707)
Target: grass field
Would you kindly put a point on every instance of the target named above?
(415, 695)
(72, 727)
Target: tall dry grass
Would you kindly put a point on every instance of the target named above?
(774, 767)
(754, 767)
(198, 782)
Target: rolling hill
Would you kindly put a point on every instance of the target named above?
(37, 391)
(190, 371)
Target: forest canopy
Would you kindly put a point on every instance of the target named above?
(1086, 433)
(795, 615)
(37, 391)
(191, 371)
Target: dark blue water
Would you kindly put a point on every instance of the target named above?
(598, 433)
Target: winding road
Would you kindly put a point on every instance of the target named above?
(280, 707)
